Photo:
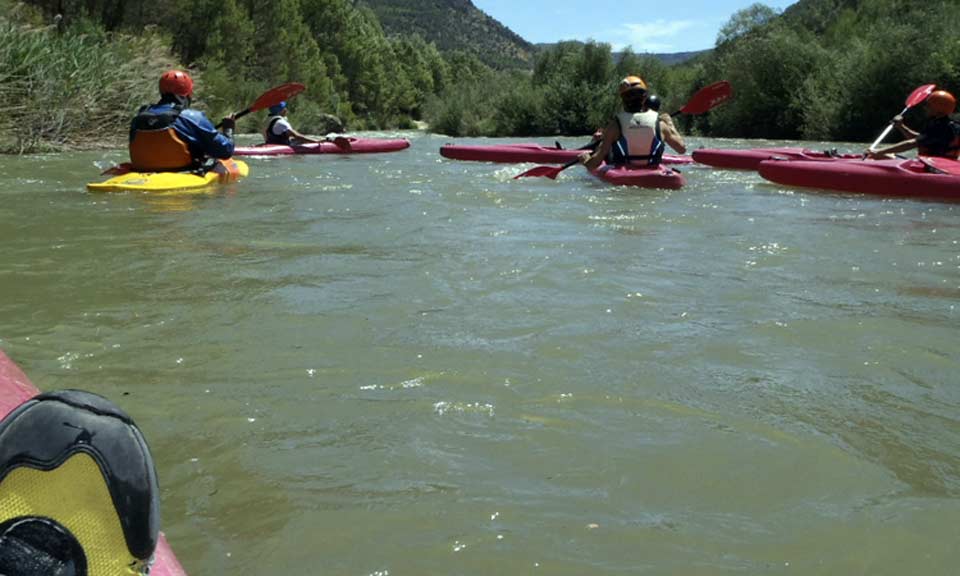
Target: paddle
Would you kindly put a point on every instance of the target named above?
(916, 97)
(703, 100)
(271, 97)
(707, 98)
(339, 139)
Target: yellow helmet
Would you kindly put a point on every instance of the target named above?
(632, 83)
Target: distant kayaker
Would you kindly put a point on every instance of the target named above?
(279, 130)
(653, 102)
(638, 134)
(940, 137)
(169, 136)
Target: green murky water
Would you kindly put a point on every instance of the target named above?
(404, 365)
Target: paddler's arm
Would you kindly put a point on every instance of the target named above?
(610, 135)
(215, 144)
(301, 137)
(906, 132)
(881, 153)
(670, 134)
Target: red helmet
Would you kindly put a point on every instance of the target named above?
(176, 82)
(942, 103)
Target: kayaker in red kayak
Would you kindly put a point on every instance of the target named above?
(279, 130)
(170, 136)
(637, 135)
(941, 136)
(653, 103)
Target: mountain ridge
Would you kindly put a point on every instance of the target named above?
(455, 25)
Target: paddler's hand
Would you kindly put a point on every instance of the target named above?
(584, 157)
(229, 123)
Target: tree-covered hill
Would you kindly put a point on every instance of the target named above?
(455, 25)
(830, 69)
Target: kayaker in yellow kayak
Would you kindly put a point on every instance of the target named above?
(279, 130)
(169, 136)
(637, 135)
(940, 137)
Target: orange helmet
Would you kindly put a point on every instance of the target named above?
(176, 82)
(942, 103)
(631, 83)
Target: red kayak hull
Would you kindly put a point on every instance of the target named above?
(15, 389)
(658, 177)
(884, 177)
(750, 159)
(356, 146)
(519, 153)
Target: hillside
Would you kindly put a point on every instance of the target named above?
(455, 25)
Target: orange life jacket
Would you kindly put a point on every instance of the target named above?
(155, 145)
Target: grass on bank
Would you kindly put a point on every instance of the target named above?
(63, 89)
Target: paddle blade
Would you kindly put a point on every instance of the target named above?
(341, 141)
(118, 170)
(920, 94)
(708, 97)
(277, 95)
(545, 171)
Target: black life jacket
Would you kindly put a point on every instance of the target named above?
(272, 138)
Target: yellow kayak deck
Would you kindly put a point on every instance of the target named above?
(168, 181)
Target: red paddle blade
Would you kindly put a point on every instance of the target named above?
(343, 142)
(118, 170)
(277, 95)
(548, 171)
(708, 98)
(920, 94)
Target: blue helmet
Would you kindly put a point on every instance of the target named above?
(278, 108)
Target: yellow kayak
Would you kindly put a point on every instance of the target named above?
(224, 172)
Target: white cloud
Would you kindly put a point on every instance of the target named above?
(651, 36)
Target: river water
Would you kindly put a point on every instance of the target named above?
(404, 365)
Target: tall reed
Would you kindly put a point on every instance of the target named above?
(69, 88)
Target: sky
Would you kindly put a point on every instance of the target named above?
(679, 26)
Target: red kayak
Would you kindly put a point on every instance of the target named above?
(922, 177)
(15, 389)
(657, 177)
(518, 153)
(337, 146)
(750, 159)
